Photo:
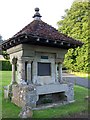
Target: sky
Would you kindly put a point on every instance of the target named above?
(16, 14)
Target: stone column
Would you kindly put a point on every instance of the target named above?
(13, 62)
(56, 73)
(21, 71)
(29, 72)
(34, 72)
(60, 72)
(53, 71)
(13, 73)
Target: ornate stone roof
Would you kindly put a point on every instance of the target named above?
(40, 33)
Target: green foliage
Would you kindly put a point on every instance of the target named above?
(5, 55)
(75, 24)
(6, 65)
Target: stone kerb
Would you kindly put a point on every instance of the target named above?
(6, 91)
(70, 92)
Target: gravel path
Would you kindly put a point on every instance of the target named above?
(76, 80)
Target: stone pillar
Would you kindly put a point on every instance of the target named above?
(29, 72)
(34, 72)
(21, 71)
(13, 62)
(13, 73)
(56, 73)
(60, 72)
(53, 71)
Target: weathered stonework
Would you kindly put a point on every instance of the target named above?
(26, 112)
(70, 92)
(28, 89)
(29, 94)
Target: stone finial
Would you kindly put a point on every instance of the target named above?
(37, 15)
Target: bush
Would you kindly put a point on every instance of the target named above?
(6, 65)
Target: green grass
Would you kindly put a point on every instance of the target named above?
(9, 110)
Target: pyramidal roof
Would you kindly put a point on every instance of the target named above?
(40, 33)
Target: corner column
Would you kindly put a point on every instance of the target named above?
(29, 72)
(56, 73)
(13, 73)
(13, 62)
(60, 72)
(21, 71)
(34, 72)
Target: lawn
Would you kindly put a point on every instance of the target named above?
(9, 110)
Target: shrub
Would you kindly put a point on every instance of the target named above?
(6, 65)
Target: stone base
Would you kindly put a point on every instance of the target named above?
(18, 95)
(29, 94)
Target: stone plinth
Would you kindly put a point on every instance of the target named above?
(24, 95)
(29, 94)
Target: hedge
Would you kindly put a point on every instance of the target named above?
(6, 65)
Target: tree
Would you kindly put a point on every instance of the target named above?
(4, 53)
(75, 24)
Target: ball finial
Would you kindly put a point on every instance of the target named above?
(37, 15)
(37, 9)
